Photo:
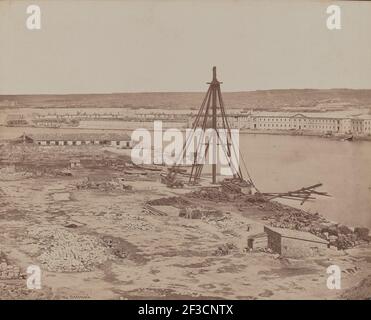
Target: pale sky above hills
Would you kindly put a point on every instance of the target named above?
(123, 46)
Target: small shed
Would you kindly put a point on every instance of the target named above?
(295, 244)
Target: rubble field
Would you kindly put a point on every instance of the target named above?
(110, 230)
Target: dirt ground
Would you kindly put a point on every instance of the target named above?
(92, 243)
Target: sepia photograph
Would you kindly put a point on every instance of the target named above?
(185, 150)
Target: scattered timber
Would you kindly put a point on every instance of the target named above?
(303, 194)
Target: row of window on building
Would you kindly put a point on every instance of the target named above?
(300, 122)
(122, 144)
(78, 139)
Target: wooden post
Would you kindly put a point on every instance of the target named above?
(214, 120)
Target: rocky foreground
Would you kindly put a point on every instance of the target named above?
(95, 235)
(279, 215)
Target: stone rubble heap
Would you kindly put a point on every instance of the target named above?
(9, 271)
(114, 184)
(225, 249)
(170, 201)
(339, 235)
(64, 251)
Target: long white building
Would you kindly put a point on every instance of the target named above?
(323, 123)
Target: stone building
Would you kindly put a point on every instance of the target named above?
(118, 140)
(367, 126)
(321, 123)
(13, 120)
(294, 244)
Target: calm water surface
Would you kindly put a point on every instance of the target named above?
(282, 163)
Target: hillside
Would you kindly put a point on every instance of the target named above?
(263, 99)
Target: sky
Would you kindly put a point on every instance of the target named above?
(144, 46)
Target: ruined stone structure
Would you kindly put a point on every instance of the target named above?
(294, 244)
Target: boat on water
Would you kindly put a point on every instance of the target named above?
(348, 138)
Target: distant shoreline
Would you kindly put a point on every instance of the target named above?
(304, 134)
(242, 131)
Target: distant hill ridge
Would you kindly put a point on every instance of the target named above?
(260, 99)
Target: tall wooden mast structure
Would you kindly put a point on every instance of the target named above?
(212, 115)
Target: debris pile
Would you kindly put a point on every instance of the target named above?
(213, 194)
(135, 222)
(117, 246)
(197, 213)
(122, 249)
(339, 235)
(236, 185)
(291, 218)
(64, 251)
(148, 209)
(343, 237)
(9, 271)
(255, 199)
(103, 185)
(225, 249)
(231, 188)
(170, 201)
(227, 191)
(63, 172)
